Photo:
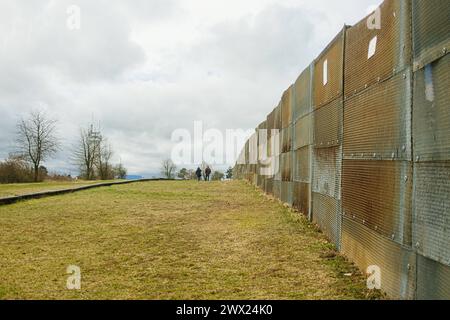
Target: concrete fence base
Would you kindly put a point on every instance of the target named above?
(38, 195)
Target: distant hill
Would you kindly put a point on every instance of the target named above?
(133, 177)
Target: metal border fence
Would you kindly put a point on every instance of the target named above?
(365, 146)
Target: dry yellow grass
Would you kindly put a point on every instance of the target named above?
(168, 240)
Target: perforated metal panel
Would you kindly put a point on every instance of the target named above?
(287, 192)
(390, 45)
(301, 197)
(327, 172)
(377, 123)
(286, 166)
(328, 72)
(303, 132)
(286, 145)
(269, 186)
(301, 95)
(263, 125)
(270, 120)
(277, 189)
(261, 132)
(433, 280)
(260, 182)
(367, 248)
(253, 150)
(276, 142)
(431, 231)
(378, 195)
(247, 152)
(328, 125)
(431, 25)
(431, 112)
(302, 164)
(277, 117)
(286, 108)
(326, 214)
(243, 171)
(278, 164)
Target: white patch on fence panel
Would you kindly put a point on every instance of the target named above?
(372, 47)
(325, 72)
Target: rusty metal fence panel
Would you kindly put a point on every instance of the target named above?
(327, 215)
(302, 165)
(376, 53)
(286, 108)
(326, 188)
(248, 176)
(301, 95)
(260, 181)
(433, 280)
(303, 132)
(277, 189)
(253, 151)
(278, 164)
(377, 194)
(328, 72)
(262, 125)
(431, 232)
(287, 192)
(261, 154)
(270, 121)
(286, 139)
(328, 125)
(431, 112)
(268, 187)
(301, 197)
(367, 248)
(247, 151)
(277, 117)
(377, 123)
(327, 172)
(286, 166)
(261, 132)
(431, 25)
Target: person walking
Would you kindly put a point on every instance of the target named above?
(199, 173)
(207, 173)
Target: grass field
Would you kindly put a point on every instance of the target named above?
(169, 240)
(10, 190)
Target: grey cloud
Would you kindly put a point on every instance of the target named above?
(277, 42)
(230, 77)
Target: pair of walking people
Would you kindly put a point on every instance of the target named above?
(207, 175)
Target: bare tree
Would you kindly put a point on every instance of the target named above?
(168, 169)
(37, 140)
(87, 152)
(103, 161)
(120, 172)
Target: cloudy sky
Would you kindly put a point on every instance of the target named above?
(143, 68)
